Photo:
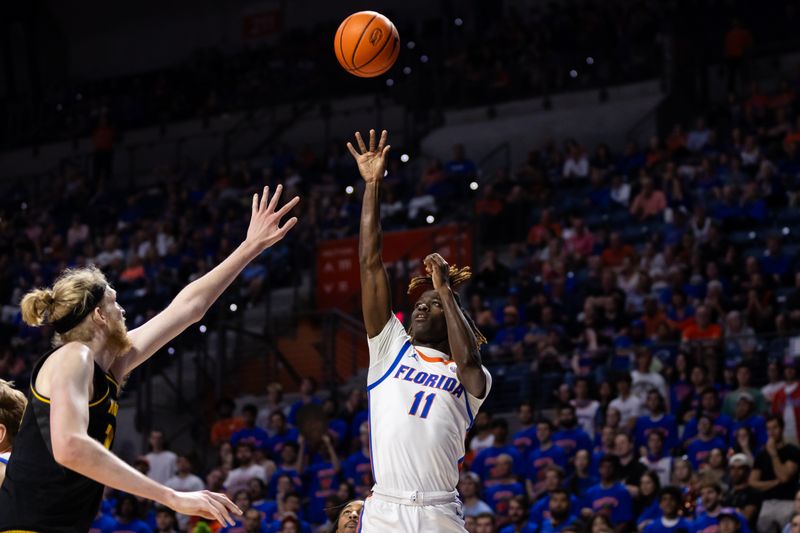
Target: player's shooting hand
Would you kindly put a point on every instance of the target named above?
(372, 162)
(206, 504)
(265, 229)
(438, 269)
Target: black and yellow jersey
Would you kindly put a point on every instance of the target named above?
(40, 495)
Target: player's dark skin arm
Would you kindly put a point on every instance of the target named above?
(462, 341)
(376, 300)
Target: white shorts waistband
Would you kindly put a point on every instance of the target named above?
(414, 497)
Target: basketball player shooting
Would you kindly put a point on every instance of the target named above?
(424, 386)
(61, 460)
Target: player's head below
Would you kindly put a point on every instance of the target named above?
(428, 326)
(12, 405)
(81, 307)
(347, 521)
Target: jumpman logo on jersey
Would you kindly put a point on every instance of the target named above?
(413, 355)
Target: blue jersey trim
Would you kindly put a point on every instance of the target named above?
(469, 410)
(391, 368)
(4, 461)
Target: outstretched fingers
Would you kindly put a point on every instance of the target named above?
(275, 197)
(225, 501)
(288, 207)
(371, 140)
(264, 197)
(382, 142)
(360, 141)
(352, 150)
(283, 230)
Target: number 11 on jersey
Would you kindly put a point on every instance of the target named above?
(426, 408)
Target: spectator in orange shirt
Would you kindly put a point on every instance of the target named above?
(227, 424)
(540, 232)
(738, 42)
(676, 142)
(702, 329)
(616, 252)
(650, 202)
(653, 317)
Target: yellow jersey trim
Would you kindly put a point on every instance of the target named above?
(98, 402)
(40, 398)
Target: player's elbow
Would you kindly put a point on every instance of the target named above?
(67, 451)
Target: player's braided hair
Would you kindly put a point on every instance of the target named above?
(457, 277)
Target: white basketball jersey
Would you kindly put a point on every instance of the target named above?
(419, 413)
(4, 457)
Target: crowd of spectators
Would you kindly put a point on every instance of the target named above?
(645, 312)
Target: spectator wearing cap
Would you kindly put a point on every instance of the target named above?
(743, 387)
(745, 416)
(741, 496)
(469, 486)
(775, 476)
(711, 500)
(669, 502)
(786, 402)
(610, 497)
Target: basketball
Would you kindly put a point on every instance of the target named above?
(366, 44)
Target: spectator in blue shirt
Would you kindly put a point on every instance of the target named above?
(502, 487)
(582, 479)
(745, 416)
(544, 455)
(127, 513)
(167, 522)
(357, 468)
(102, 523)
(308, 389)
(518, 517)
(700, 447)
(560, 513)
(670, 501)
(524, 440)
(322, 480)
(553, 479)
(460, 169)
(610, 497)
(570, 437)
(711, 499)
(250, 433)
(657, 421)
(485, 461)
(281, 434)
(710, 406)
(774, 263)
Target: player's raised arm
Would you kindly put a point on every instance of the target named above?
(195, 299)
(73, 448)
(463, 343)
(376, 301)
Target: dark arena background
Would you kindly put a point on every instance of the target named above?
(621, 175)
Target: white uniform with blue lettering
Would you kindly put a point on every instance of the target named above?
(4, 457)
(419, 414)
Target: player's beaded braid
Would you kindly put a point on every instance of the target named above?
(457, 277)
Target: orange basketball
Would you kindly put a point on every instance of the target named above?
(366, 44)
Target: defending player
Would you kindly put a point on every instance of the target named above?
(12, 405)
(424, 386)
(54, 480)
